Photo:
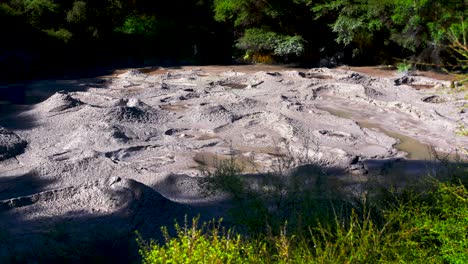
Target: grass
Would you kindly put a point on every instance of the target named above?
(288, 221)
(462, 130)
(404, 67)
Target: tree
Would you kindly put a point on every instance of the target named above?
(418, 27)
(266, 27)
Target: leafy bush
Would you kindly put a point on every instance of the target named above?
(419, 27)
(140, 25)
(206, 244)
(289, 45)
(426, 225)
(403, 67)
(355, 21)
(78, 13)
(61, 34)
(266, 202)
(458, 44)
(434, 225)
(257, 41)
(462, 130)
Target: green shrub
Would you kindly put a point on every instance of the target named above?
(433, 226)
(265, 202)
(462, 130)
(412, 226)
(195, 244)
(61, 34)
(290, 45)
(257, 41)
(403, 67)
(140, 25)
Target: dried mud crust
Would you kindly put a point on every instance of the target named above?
(157, 128)
(181, 112)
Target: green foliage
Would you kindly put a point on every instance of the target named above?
(7, 10)
(242, 12)
(195, 244)
(457, 35)
(404, 67)
(266, 26)
(225, 9)
(428, 32)
(428, 224)
(357, 21)
(256, 40)
(78, 12)
(429, 227)
(39, 7)
(434, 225)
(61, 34)
(140, 25)
(289, 45)
(462, 130)
(414, 25)
(266, 202)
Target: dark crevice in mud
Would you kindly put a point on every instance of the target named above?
(235, 85)
(127, 152)
(174, 131)
(433, 99)
(312, 75)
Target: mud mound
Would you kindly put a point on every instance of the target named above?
(98, 136)
(106, 211)
(134, 111)
(109, 196)
(372, 93)
(10, 144)
(214, 114)
(59, 102)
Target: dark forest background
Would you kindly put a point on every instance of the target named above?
(56, 38)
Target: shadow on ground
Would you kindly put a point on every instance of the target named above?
(69, 225)
(17, 99)
(23, 185)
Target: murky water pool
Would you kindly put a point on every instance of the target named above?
(415, 149)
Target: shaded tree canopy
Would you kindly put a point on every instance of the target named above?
(88, 33)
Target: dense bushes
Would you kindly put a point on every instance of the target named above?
(429, 225)
(420, 28)
(207, 31)
(259, 41)
(389, 29)
(49, 36)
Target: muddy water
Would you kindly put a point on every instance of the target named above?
(415, 149)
